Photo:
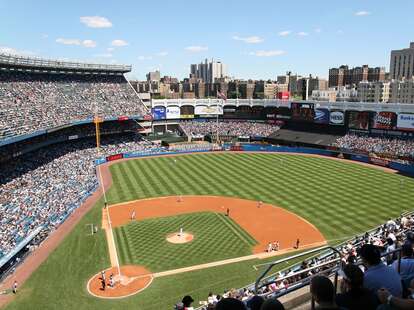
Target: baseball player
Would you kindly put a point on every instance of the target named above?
(297, 243)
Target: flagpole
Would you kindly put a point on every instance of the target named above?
(217, 111)
(217, 137)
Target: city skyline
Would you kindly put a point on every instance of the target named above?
(304, 38)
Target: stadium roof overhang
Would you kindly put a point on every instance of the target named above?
(31, 64)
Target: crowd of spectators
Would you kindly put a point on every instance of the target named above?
(37, 101)
(43, 187)
(385, 146)
(228, 128)
(201, 146)
(369, 270)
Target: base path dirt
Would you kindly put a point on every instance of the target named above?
(266, 223)
(133, 280)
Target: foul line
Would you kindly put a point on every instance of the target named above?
(113, 254)
(234, 260)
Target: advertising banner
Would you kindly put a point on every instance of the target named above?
(158, 113)
(303, 111)
(114, 157)
(187, 111)
(379, 161)
(358, 120)
(208, 110)
(229, 110)
(336, 117)
(384, 120)
(284, 113)
(321, 116)
(147, 117)
(283, 95)
(173, 112)
(405, 121)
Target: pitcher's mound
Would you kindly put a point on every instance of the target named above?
(180, 238)
(132, 280)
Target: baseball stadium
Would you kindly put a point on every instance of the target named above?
(108, 201)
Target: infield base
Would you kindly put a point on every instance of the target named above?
(132, 280)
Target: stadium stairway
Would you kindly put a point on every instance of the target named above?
(297, 300)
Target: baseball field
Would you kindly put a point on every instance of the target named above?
(302, 197)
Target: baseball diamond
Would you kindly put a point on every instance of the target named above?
(319, 190)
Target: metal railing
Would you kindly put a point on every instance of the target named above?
(278, 262)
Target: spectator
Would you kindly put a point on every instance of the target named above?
(185, 303)
(392, 302)
(407, 263)
(272, 304)
(255, 303)
(353, 295)
(323, 292)
(230, 304)
(378, 275)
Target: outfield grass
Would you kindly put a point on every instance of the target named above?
(216, 238)
(340, 199)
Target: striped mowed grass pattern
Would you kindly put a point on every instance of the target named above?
(216, 237)
(340, 199)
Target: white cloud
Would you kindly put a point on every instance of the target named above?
(119, 42)
(110, 49)
(68, 41)
(96, 21)
(88, 43)
(85, 43)
(269, 53)
(13, 51)
(318, 30)
(103, 55)
(249, 40)
(362, 13)
(196, 49)
(284, 33)
(144, 57)
(302, 34)
(162, 54)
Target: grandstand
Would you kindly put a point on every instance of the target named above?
(37, 95)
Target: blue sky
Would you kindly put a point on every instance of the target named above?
(257, 39)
